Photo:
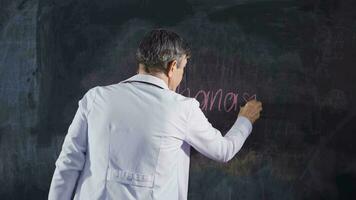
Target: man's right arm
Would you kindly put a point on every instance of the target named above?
(71, 159)
(209, 141)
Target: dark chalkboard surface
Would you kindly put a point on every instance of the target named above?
(297, 57)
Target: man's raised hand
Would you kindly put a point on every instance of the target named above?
(251, 110)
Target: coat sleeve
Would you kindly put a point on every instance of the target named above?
(71, 159)
(209, 141)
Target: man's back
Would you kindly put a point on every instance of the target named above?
(139, 135)
(135, 147)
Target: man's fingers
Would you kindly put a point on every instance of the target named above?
(260, 105)
(257, 106)
(253, 101)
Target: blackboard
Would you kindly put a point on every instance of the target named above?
(296, 57)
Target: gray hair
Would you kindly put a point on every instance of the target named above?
(159, 47)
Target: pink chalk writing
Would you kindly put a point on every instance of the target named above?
(210, 99)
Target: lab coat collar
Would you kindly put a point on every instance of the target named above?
(148, 79)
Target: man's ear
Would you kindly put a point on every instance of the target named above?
(171, 66)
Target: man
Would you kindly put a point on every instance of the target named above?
(131, 140)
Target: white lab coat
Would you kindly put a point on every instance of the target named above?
(131, 140)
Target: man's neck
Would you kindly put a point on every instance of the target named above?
(160, 75)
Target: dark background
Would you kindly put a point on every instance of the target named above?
(296, 56)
